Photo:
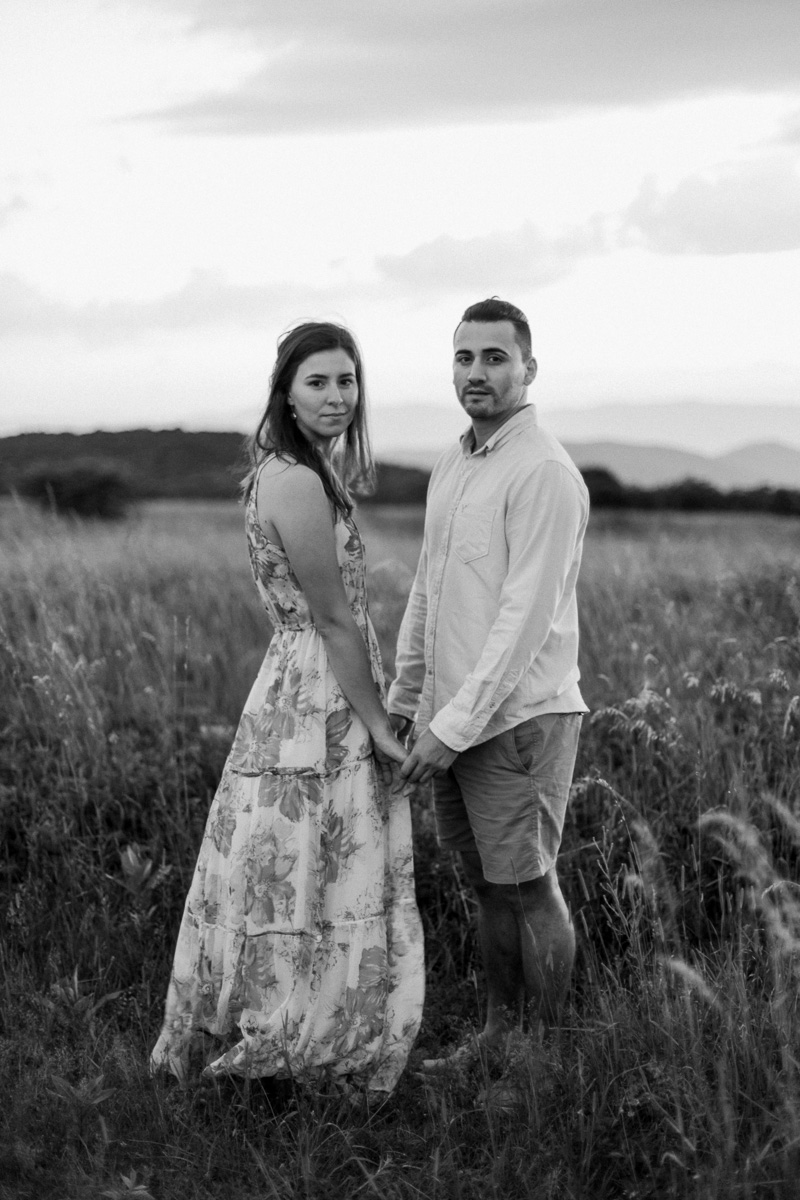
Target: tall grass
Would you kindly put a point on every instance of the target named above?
(125, 656)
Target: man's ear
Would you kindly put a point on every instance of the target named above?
(530, 371)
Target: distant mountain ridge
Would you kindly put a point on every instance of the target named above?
(765, 464)
(697, 426)
(402, 432)
(759, 465)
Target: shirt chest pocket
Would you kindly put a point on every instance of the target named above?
(472, 531)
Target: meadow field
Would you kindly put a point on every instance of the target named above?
(126, 652)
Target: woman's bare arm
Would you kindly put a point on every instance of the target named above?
(291, 500)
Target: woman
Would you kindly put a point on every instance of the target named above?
(301, 944)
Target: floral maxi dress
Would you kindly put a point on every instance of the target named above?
(301, 944)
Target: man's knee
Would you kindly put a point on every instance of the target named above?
(543, 890)
(535, 896)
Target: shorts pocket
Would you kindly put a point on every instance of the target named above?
(526, 744)
(472, 531)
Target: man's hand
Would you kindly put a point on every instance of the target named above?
(428, 757)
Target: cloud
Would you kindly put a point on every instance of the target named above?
(520, 258)
(352, 65)
(206, 300)
(751, 208)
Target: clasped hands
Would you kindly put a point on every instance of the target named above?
(427, 755)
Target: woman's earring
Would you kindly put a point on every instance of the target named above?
(294, 414)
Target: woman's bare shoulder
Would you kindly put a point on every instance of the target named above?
(288, 475)
(288, 495)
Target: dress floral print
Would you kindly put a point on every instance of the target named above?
(300, 948)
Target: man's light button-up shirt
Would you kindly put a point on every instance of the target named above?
(490, 634)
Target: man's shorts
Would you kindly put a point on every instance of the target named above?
(507, 797)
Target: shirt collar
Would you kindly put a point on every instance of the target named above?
(509, 429)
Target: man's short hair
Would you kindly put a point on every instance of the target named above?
(495, 309)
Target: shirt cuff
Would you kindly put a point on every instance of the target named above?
(448, 727)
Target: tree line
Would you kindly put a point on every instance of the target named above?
(100, 474)
(688, 495)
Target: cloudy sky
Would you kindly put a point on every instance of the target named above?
(182, 179)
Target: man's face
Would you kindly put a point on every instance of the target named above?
(489, 372)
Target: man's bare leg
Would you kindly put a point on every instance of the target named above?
(548, 948)
(528, 946)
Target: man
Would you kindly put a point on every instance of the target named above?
(487, 673)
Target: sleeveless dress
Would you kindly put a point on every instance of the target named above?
(301, 944)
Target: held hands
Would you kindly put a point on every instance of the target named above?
(428, 757)
(389, 754)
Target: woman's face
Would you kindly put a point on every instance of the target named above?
(324, 395)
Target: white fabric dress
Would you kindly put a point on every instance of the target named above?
(301, 944)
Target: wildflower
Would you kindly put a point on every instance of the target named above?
(777, 678)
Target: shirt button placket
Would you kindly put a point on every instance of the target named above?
(440, 565)
(436, 589)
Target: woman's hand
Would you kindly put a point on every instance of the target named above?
(389, 753)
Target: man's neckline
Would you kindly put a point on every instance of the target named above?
(508, 429)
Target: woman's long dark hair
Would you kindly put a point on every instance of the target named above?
(277, 431)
